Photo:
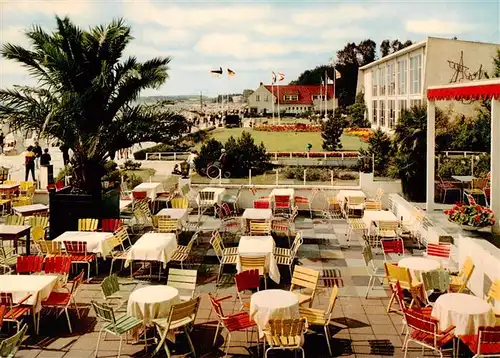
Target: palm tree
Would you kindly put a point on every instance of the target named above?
(86, 95)
(410, 146)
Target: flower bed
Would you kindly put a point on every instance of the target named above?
(363, 133)
(471, 215)
(298, 127)
(314, 154)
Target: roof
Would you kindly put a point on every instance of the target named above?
(474, 90)
(305, 92)
(395, 54)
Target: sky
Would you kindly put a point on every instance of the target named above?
(252, 38)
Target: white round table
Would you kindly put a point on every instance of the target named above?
(466, 312)
(152, 302)
(417, 265)
(273, 304)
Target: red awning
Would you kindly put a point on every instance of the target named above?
(486, 91)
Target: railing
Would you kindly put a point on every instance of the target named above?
(450, 153)
(313, 155)
(167, 156)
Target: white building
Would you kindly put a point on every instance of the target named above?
(292, 98)
(400, 80)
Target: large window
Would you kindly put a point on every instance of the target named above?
(381, 77)
(374, 117)
(401, 107)
(402, 73)
(415, 102)
(391, 108)
(374, 83)
(416, 74)
(391, 79)
(382, 113)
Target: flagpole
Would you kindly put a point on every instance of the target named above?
(320, 96)
(279, 114)
(334, 87)
(326, 94)
(272, 97)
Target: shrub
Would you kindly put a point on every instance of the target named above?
(132, 180)
(131, 165)
(332, 131)
(209, 152)
(379, 147)
(64, 172)
(449, 167)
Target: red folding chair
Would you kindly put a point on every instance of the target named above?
(29, 264)
(246, 280)
(235, 322)
(424, 331)
(62, 300)
(282, 202)
(139, 195)
(77, 252)
(2, 313)
(59, 265)
(111, 225)
(392, 246)
(438, 250)
(14, 312)
(261, 204)
(486, 343)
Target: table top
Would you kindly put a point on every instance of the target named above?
(257, 214)
(463, 178)
(274, 299)
(419, 264)
(256, 244)
(155, 240)
(216, 190)
(283, 191)
(32, 207)
(8, 186)
(13, 229)
(25, 283)
(347, 193)
(463, 303)
(379, 215)
(173, 213)
(143, 186)
(84, 236)
(154, 294)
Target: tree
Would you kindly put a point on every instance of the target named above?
(380, 148)
(410, 147)
(496, 64)
(246, 94)
(357, 112)
(385, 48)
(332, 132)
(85, 95)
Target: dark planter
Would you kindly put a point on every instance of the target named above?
(66, 208)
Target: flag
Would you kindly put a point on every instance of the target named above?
(274, 78)
(230, 72)
(282, 76)
(329, 81)
(217, 72)
(337, 75)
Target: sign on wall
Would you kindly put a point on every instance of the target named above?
(462, 72)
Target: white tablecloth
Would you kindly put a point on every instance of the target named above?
(255, 214)
(342, 195)
(273, 304)
(374, 216)
(153, 247)
(251, 246)
(97, 242)
(283, 191)
(30, 208)
(148, 303)
(417, 265)
(151, 188)
(39, 286)
(466, 312)
(179, 214)
(218, 195)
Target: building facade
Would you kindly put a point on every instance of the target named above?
(400, 80)
(293, 99)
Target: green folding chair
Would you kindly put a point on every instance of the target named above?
(111, 289)
(10, 346)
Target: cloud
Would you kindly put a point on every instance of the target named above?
(344, 33)
(11, 68)
(60, 7)
(162, 36)
(242, 46)
(14, 35)
(276, 29)
(334, 15)
(438, 27)
(240, 66)
(144, 52)
(146, 12)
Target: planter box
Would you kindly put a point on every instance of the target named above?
(67, 208)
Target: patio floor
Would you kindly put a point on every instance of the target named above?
(361, 327)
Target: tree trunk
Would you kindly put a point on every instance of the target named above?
(88, 174)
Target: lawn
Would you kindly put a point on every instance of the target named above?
(287, 141)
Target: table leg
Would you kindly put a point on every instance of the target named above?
(28, 242)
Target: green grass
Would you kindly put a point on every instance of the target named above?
(286, 141)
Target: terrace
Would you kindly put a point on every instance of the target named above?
(359, 326)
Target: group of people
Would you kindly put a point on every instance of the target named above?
(35, 157)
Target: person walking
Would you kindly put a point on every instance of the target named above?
(38, 153)
(45, 158)
(29, 162)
